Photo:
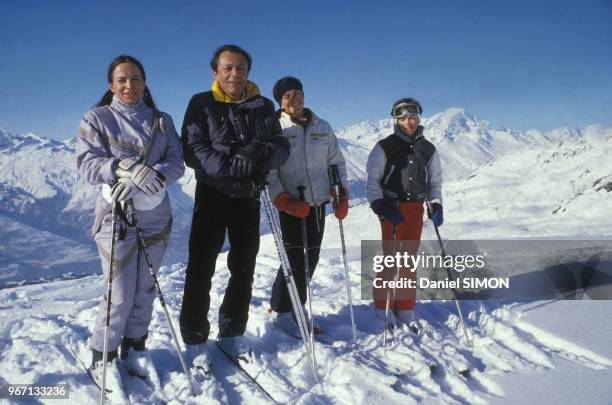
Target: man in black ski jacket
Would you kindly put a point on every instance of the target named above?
(230, 137)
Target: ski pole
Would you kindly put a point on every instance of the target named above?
(109, 289)
(307, 279)
(388, 299)
(336, 182)
(395, 278)
(448, 272)
(145, 249)
(289, 279)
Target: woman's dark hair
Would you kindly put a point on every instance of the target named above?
(214, 62)
(108, 96)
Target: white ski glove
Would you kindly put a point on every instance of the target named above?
(147, 179)
(124, 190)
(126, 166)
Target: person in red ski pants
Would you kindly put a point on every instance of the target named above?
(404, 172)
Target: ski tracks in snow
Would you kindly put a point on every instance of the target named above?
(40, 322)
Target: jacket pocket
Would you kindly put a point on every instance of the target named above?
(319, 139)
(319, 148)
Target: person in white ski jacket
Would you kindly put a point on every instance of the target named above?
(112, 141)
(314, 148)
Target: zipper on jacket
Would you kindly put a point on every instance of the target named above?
(237, 125)
(241, 136)
(386, 179)
(306, 160)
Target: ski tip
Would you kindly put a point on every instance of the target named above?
(202, 371)
(244, 359)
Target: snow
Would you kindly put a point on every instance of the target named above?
(500, 184)
(584, 328)
(552, 350)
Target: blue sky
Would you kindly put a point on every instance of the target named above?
(520, 64)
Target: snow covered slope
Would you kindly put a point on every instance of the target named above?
(554, 351)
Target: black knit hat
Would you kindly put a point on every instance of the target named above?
(284, 85)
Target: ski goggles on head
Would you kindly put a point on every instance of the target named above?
(405, 109)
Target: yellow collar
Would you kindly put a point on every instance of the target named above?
(251, 90)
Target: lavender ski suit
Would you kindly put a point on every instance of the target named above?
(106, 135)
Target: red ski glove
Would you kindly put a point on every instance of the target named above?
(341, 210)
(286, 202)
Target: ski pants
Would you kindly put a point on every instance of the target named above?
(408, 237)
(133, 290)
(291, 228)
(214, 213)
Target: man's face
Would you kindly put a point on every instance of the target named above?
(232, 74)
(292, 103)
(409, 123)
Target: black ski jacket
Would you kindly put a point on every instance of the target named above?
(213, 131)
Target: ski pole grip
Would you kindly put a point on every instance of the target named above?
(301, 191)
(428, 205)
(334, 175)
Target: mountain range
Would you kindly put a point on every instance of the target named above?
(516, 184)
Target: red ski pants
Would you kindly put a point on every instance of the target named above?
(408, 237)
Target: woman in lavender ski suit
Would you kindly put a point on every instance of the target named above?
(133, 151)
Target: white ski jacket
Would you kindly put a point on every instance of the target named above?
(313, 149)
(110, 133)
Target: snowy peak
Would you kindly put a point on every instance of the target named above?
(366, 133)
(463, 142)
(454, 122)
(495, 172)
(562, 134)
(450, 124)
(12, 143)
(70, 143)
(39, 167)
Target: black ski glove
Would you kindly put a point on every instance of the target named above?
(242, 163)
(436, 215)
(249, 158)
(241, 167)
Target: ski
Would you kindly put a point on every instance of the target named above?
(434, 365)
(435, 368)
(111, 398)
(240, 364)
(201, 371)
(136, 395)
